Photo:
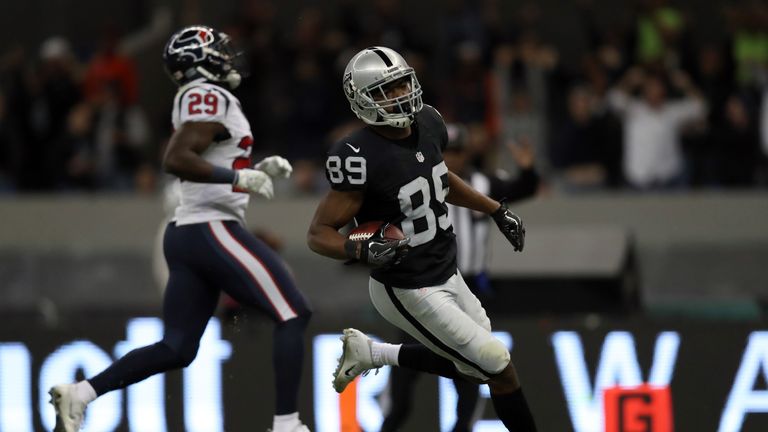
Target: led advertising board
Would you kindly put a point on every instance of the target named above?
(618, 375)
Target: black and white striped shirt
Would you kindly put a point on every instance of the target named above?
(472, 227)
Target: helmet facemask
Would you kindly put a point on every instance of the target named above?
(221, 54)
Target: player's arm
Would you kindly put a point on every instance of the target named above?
(335, 210)
(463, 195)
(182, 159)
(510, 224)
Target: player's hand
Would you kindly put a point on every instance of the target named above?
(275, 166)
(510, 225)
(255, 182)
(522, 152)
(378, 251)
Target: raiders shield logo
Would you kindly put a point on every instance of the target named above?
(419, 157)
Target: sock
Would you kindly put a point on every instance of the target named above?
(385, 354)
(420, 358)
(85, 391)
(512, 409)
(287, 361)
(286, 422)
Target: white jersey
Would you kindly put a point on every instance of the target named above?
(199, 101)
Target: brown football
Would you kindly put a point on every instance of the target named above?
(365, 230)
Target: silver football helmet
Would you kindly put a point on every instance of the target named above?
(365, 79)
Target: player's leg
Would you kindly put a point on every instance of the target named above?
(506, 393)
(188, 305)
(433, 317)
(466, 404)
(360, 353)
(450, 321)
(400, 393)
(254, 275)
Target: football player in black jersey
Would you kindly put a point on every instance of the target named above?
(393, 171)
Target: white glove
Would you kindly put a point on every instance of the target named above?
(275, 166)
(255, 182)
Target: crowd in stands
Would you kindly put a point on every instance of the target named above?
(646, 107)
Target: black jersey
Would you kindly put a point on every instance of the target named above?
(404, 182)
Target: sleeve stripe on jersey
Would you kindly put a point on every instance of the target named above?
(226, 108)
(181, 98)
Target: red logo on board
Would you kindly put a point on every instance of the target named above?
(642, 408)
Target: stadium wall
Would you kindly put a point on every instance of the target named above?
(97, 251)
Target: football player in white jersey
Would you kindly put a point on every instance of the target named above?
(206, 245)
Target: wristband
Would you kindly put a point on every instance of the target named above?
(223, 175)
(350, 247)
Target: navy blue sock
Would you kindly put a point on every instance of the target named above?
(288, 360)
(136, 366)
(512, 409)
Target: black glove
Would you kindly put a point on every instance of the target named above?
(377, 251)
(510, 225)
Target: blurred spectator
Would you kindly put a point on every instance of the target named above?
(54, 88)
(652, 126)
(121, 134)
(68, 127)
(736, 146)
(385, 23)
(7, 148)
(661, 38)
(466, 97)
(764, 122)
(585, 150)
(119, 126)
(79, 142)
(749, 42)
(108, 67)
(521, 73)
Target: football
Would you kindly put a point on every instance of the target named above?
(366, 230)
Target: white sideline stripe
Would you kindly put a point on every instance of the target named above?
(256, 269)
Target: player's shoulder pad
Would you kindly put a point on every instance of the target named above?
(433, 119)
(350, 145)
(432, 112)
(204, 102)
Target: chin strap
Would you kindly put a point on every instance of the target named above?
(232, 79)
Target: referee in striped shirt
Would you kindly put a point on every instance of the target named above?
(471, 229)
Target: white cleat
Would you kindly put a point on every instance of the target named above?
(70, 410)
(355, 358)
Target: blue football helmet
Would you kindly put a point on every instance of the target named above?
(201, 52)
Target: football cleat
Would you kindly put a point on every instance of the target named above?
(70, 410)
(356, 358)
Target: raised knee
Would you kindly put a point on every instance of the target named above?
(182, 355)
(494, 356)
